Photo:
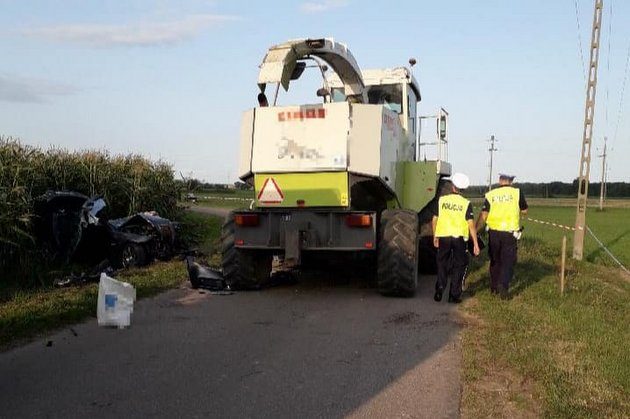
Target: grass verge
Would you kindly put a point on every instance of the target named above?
(610, 226)
(200, 231)
(27, 313)
(541, 354)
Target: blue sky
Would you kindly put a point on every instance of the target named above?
(170, 79)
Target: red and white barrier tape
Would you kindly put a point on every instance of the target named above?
(601, 244)
(551, 224)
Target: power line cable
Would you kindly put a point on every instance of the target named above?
(579, 35)
(608, 67)
(623, 90)
(608, 252)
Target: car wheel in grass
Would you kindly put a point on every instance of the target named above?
(133, 255)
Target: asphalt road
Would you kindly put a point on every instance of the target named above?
(317, 349)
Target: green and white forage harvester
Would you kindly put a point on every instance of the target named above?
(338, 178)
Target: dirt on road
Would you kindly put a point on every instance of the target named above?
(322, 348)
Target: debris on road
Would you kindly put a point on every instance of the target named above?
(93, 275)
(203, 276)
(115, 302)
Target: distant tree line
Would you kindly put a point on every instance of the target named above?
(535, 190)
(564, 189)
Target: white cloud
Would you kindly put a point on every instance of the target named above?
(25, 90)
(138, 34)
(322, 5)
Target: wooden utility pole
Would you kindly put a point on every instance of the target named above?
(589, 115)
(492, 149)
(602, 185)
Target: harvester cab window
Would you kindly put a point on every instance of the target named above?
(389, 95)
(411, 106)
(338, 95)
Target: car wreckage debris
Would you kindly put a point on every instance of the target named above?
(203, 276)
(92, 276)
(74, 228)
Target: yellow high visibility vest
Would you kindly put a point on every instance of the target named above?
(451, 220)
(504, 214)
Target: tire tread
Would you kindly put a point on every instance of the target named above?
(242, 269)
(397, 270)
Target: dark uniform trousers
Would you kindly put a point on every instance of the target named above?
(502, 251)
(452, 259)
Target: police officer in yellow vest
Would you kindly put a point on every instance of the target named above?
(453, 225)
(501, 213)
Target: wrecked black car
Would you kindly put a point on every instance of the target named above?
(76, 228)
(161, 230)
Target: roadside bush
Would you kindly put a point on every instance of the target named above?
(129, 183)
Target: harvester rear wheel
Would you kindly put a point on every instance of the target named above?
(397, 270)
(242, 268)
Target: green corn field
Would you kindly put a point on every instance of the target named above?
(129, 183)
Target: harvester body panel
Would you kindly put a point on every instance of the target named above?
(362, 139)
(315, 229)
(416, 182)
(309, 138)
(319, 189)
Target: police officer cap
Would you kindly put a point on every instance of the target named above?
(460, 181)
(506, 176)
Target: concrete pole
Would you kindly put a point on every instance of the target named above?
(492, 149)
(589, 116)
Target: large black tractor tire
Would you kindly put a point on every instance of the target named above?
(243, 269)
(397, 254)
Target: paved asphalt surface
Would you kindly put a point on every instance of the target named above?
(321, 348)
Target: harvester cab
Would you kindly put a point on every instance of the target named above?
(340, 175)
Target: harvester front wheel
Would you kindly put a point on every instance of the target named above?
(243, 269)
(397, 270)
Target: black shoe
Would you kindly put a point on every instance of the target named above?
(504, 294)
(454, 300)
(438, 295)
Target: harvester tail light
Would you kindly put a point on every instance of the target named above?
(247, 220)
(359, 220)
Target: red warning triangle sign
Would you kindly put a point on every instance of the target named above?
(270, 193)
